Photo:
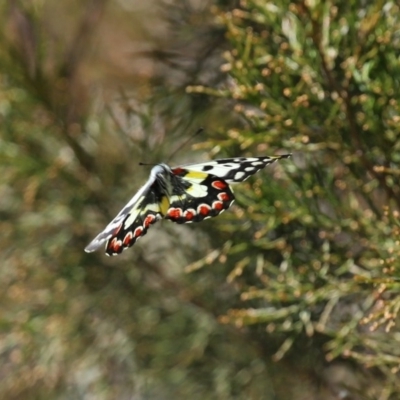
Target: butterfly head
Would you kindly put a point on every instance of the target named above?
(160, 170)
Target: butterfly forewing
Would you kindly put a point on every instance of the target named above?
(233, 170)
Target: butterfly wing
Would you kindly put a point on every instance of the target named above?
(197, 196)
(131, 223)
(205, 191)
(233, 170)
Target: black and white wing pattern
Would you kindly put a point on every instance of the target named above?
(131, 223)
(189, 193)
(234, 170)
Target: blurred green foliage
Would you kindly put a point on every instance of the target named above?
(320, 79)
(291, 294)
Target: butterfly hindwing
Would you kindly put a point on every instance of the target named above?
(129, 218)
(208, 193)
(201, 196)
(135, 225)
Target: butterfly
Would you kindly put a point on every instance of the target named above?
(183, 194)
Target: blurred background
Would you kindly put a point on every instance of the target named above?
(292, 293)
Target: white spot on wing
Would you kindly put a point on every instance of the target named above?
(197, 190)
(239, 175)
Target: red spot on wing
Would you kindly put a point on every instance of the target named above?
(148, 220)
(178, 171)
(138, 232)
(174, 213)
(224, 196)
(127, 239)
(218, 205)
(115, 245)
(203, 209)
(189, 214)
(220, 185)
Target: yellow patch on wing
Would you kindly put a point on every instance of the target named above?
(134, 213)
(164, 205)
(196, 176)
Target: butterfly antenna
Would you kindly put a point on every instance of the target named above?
(184, 143)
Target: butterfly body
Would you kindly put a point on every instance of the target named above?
(184, 194)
